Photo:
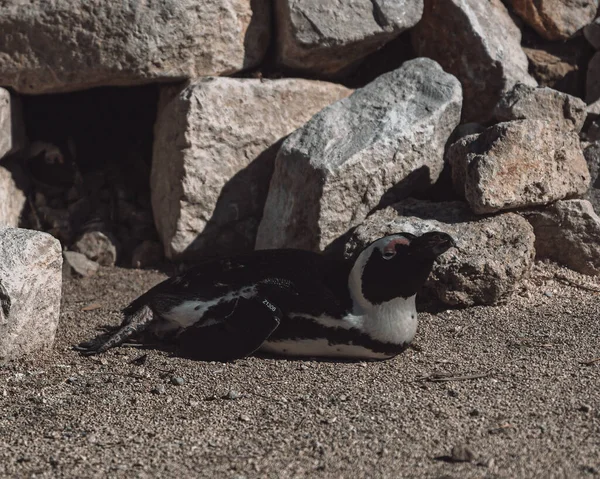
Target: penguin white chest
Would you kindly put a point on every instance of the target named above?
(394, 321)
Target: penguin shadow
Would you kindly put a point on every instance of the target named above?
(141, 342)
(144, 343)
(234, 222)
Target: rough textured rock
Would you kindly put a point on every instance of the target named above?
(568, 232)
(12, 129)
(65, 45)
(592, 157)
(79, 265)
(478, 43)
(518, 164)
(97, 246)
(315, 37)
(524, 102)
(556, 19)
(592, 33)
(592, 85)
(215, 144)
(493, 254)
(31, 280)
(377, 146)
(13, 188)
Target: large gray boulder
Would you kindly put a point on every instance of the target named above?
(477, 42)
(30, 291)
(494, 253)
(323, 39)
(525, 102)
(556, 19)
(518, 164)
(214, 148)
(377, 146)
(12, 129)
(66, 45)
(568, 232)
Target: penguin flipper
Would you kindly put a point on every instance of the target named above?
(238, 335)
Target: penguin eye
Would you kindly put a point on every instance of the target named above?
(389, 253)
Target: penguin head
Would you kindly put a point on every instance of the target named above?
(395, 266)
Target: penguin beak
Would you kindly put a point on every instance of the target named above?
(436, 242)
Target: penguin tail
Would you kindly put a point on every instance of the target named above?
(136, 321)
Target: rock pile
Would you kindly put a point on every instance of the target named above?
(214, 149)
(479, 44)
(381, 144)
(477, 126)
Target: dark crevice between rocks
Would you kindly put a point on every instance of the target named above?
(389, 57)
(88, 161)
(268, 68)
(561, 65)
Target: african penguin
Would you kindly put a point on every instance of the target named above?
(288, 302)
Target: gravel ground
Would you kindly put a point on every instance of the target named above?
(518, 400)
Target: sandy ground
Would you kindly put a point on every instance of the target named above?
(534, 410)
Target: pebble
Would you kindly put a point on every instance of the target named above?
(461, 453)
(474, 413)
(177, 381)
(585, 408)
(232, 395)
(453, 393)
(79, 264)
(244, 418)
(160, 389)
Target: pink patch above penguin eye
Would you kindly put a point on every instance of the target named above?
(389, 251)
